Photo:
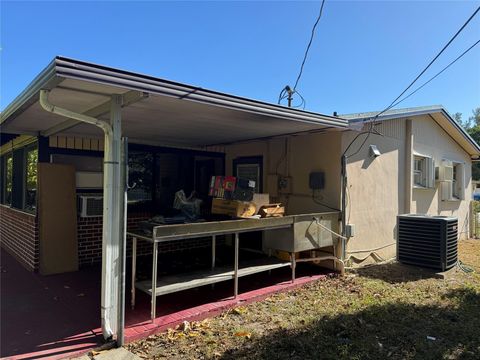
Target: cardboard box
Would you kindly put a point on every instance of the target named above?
(272, 210)
(260, 200)
(233, 208)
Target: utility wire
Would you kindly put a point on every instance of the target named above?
(308, 46)
(437, 74)
(431, 62)
(396, 102)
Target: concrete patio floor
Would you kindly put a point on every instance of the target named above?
(58, 316)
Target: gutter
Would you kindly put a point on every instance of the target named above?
(108, 296)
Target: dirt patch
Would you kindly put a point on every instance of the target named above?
(382, 312)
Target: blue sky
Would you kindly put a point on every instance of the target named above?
(364, 53)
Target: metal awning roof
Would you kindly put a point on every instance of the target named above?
(156, 111)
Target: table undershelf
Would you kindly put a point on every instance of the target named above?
(174, 283)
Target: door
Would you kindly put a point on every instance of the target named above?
(57, 218)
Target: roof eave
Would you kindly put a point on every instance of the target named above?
(47, 79)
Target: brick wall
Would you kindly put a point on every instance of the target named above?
(19, 236)
(89, 235)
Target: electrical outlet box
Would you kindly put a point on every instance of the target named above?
(317, 180)
(350, 230)
(284, 185)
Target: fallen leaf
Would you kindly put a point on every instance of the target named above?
(246, 334)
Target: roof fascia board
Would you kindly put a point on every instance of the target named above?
(47, 79)
(73, 69)
(461, 130)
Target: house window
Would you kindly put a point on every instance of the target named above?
(423, 173)
(31, 160)
(452, 180)
(8, 171)
(457, 182)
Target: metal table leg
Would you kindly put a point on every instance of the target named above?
(214, 237)
(235, 270)
(154, 281)
(134, 270)
(294, 265)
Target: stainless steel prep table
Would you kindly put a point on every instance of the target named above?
(178, 232)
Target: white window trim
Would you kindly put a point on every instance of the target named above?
(429, 172)
(461, 195)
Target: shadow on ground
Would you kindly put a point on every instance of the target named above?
(391, 331)
(397, 273)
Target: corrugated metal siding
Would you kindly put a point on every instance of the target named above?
(391, 128)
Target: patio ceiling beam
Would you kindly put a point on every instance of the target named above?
(96, 112)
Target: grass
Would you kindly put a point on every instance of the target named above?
(380, 312)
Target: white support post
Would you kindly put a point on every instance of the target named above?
(113, 202)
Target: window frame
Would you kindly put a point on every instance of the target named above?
(26, 151)
(427, 172)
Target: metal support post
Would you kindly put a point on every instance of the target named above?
(235, 270)
(134, 270)
(154, 281)
(214, 237)
(293, 265)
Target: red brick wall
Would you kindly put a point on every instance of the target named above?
(89, 235)
(19, 236)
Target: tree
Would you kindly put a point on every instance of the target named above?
(472, 125)
(475, 119)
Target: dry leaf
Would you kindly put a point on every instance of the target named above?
(246, 334)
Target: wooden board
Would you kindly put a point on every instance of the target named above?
(57, 218)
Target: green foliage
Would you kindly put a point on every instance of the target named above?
(472, 126)
(32, 160)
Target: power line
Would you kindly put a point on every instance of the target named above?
(394, 102)
(308, 46)
(437, 74)
(287, 92)
(431, 62)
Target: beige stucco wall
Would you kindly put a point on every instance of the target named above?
(377, 187)
(304, 154)
(375, 190)
(431, 140)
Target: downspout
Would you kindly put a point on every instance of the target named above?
(107, 326)
(344, 182)
(408, 166)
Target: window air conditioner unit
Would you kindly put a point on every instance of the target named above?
(446, 190)
(445, 171)
(90, 206)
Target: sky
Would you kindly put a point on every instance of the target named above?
(362, 57)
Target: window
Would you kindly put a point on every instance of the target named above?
(31, 160)
(250, 168)
(140, 173)
(8, 179)
(452, 180)
(423, 172)
(458, 181)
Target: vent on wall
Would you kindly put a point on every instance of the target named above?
(427, 241)
(90, 206)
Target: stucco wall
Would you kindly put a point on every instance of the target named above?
(297, 156)
(377, 187)
(376, 190)
(431, 140)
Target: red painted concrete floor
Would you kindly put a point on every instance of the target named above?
(58, 316)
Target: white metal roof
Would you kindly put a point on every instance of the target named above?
(436, 112)
(160, 111)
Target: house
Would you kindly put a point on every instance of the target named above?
(64, 140)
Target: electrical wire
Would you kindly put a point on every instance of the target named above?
(430, 63)
(308, 46)
(437, 74)
(316, 201)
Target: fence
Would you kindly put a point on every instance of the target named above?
(475, 219)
